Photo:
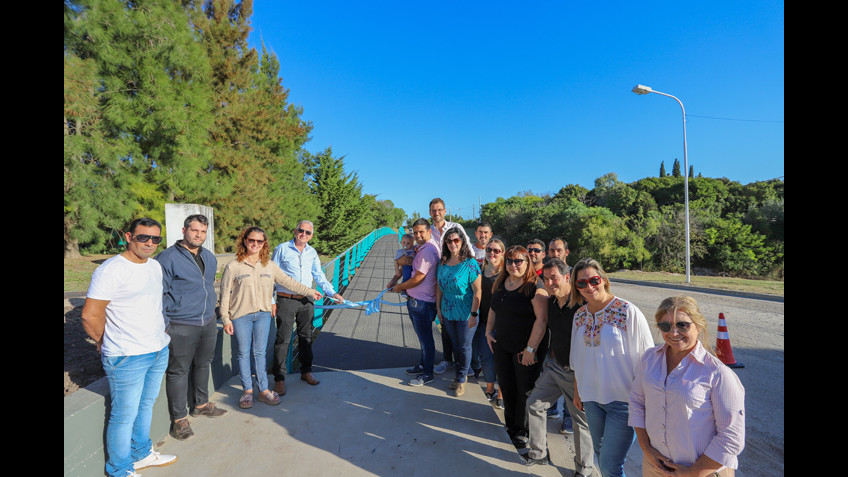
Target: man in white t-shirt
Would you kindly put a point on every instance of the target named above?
(483, 234)
(123, 315)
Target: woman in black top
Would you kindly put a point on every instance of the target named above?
(516, 330)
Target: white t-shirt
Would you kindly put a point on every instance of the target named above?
(479, 253)
(135, 323)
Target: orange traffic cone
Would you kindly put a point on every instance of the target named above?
(723, 349)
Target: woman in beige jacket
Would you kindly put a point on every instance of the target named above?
(247, 295)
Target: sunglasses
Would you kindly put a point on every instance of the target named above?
(682, 326)
(307, 232)
(514, 261)
(594, 281)
(259, 241)
(494, 251)
(454, 240)
(142, 238)
(535, 250)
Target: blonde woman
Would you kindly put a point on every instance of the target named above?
(493, 265)
(247, 295)
(687, 407)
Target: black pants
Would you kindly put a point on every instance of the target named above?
(190, 356)
(516, 382)
(289, 312)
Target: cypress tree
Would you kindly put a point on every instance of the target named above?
(675, 168)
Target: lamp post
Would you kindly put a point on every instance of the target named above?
(640, 89)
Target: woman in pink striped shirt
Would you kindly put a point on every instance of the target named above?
(687, 407)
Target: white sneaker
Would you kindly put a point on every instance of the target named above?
(441, 367)
(155, 459)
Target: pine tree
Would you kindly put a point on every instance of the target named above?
(256, 134)
(691, 171)
(662, 169)
(139, 138)
(345, 215)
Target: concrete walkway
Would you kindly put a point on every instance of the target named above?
(363, 419)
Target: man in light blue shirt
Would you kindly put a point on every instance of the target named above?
(300, 261)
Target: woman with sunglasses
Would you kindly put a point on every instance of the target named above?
(493, 265)
(516, 333)
(458, 300)
(687, 407)
(609, 336)
(247, 294)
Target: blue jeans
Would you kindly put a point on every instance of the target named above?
(461, 336)
(134, 384)
(251, 332)
(480, 350)
(422, 314)
(611, 436)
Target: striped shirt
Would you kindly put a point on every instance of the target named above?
(697, 408)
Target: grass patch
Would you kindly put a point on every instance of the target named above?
(78, 271)
(768, 287)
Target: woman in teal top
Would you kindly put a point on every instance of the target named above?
(458, 300)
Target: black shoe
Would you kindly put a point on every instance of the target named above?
(519, 441)
(181, 430)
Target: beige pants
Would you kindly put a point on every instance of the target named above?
(648, 471)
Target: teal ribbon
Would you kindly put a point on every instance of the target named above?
(371, 306)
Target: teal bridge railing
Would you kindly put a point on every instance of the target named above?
(340, 271)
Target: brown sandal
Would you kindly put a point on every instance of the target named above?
(246, 401)
(272, 398)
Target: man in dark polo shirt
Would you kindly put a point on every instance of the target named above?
(557, 378)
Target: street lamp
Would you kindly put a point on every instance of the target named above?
(640, 90)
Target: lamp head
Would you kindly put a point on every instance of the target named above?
(640, 89)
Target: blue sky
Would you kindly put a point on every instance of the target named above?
(470, 101)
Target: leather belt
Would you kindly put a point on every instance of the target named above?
(289, 295)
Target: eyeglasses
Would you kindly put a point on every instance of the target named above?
(535, 250)
(514, 261)
(594, 281)
(142, 238)
(682, 326)
(259, 241)
(494, 251)
(307, 232)
(454, 240)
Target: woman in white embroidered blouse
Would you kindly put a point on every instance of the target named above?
(687, 407)
(609, 336)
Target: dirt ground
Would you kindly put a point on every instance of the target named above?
(82, 361)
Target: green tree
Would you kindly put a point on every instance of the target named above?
(256, 135)
(345, 215)
(139, 138)
(662, 169)
(675, 169)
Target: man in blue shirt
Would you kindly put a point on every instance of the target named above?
(300, 261)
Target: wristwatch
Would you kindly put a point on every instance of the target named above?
(474, 314)
(531, 349)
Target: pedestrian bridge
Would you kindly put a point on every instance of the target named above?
(361, 420)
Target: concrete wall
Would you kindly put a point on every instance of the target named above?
(175, 215)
